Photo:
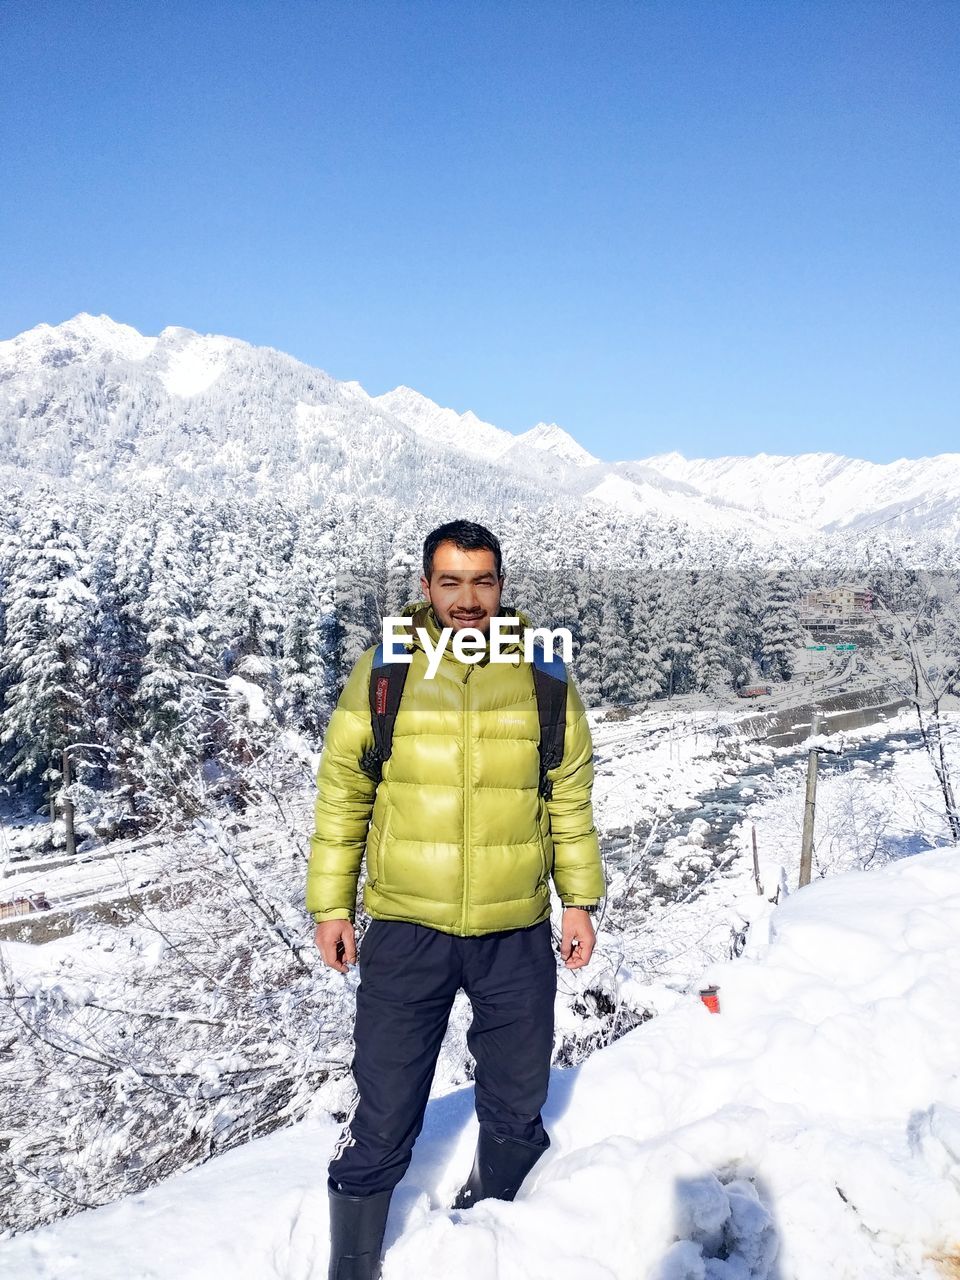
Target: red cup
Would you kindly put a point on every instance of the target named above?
(710, 997)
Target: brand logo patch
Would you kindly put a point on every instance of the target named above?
(382, 685)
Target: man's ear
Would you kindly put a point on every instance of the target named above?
(424, 587)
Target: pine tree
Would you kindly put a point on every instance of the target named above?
(676, 602)
(780, 629)
(46, 667)
(403, 570)
(304, 679)
(589, 656)
(711, 658)
(617, 658)
(169, 696)
(120, 580)
(648, 643)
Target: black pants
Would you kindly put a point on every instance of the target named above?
(409, 976)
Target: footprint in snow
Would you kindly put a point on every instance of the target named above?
(724, 1231)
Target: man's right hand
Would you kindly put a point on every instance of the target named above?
(337, 942)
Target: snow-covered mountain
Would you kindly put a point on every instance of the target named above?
(97, 401)
(829, 490)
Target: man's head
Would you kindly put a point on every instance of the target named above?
(462, 574)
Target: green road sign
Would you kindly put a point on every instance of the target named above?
(818, 647)
(842, 647)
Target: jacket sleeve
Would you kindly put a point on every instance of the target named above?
(577, 864)
(344, 803)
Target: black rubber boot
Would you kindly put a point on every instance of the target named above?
(499, 1168)
(357, 1224)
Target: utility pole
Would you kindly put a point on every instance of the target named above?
(809, 806)
(68, 825)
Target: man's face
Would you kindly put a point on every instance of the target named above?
(464, 588)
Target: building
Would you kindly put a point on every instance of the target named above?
(844, 604)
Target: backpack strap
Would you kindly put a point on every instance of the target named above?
(386, 689)
(550, 685)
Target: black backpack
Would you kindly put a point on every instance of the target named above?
(386, 689)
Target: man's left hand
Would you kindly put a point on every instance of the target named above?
(578, 938)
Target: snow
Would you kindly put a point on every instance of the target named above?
(262, 1214)
(83, 337)
(818, 1112)
(471, 434)
(549, 438)
(195, 367)
(810, 1130)
(79, 958)
(352, 390)
(317, 419)
(463, 431)
(825, 489)
(645, 498)
(251, 695)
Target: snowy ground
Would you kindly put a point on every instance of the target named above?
(811, 1130)
(828, 1086)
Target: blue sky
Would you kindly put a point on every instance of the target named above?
(718, 227)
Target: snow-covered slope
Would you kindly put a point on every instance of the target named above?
(193, 362)
(811, 1131)
(827, 489)
(468, 432)
(656, 496)
(547, 437)
(445, 426)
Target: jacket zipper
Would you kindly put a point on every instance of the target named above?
(466, 798)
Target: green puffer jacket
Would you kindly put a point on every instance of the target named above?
(459, 836)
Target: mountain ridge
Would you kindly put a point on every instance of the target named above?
(90, 371)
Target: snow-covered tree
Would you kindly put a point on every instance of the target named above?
(46, 668)
(616, 654)
(169, 695)
(711, 658)
(648, 638)
(780, 631)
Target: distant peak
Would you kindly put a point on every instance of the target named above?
(87, 325)
(403, 392)
(408, 405)
(550, 438)
(86, 319)
(83, 336)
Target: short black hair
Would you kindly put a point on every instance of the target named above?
(463, 534)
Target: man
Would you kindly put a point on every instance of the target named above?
(460, 839)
